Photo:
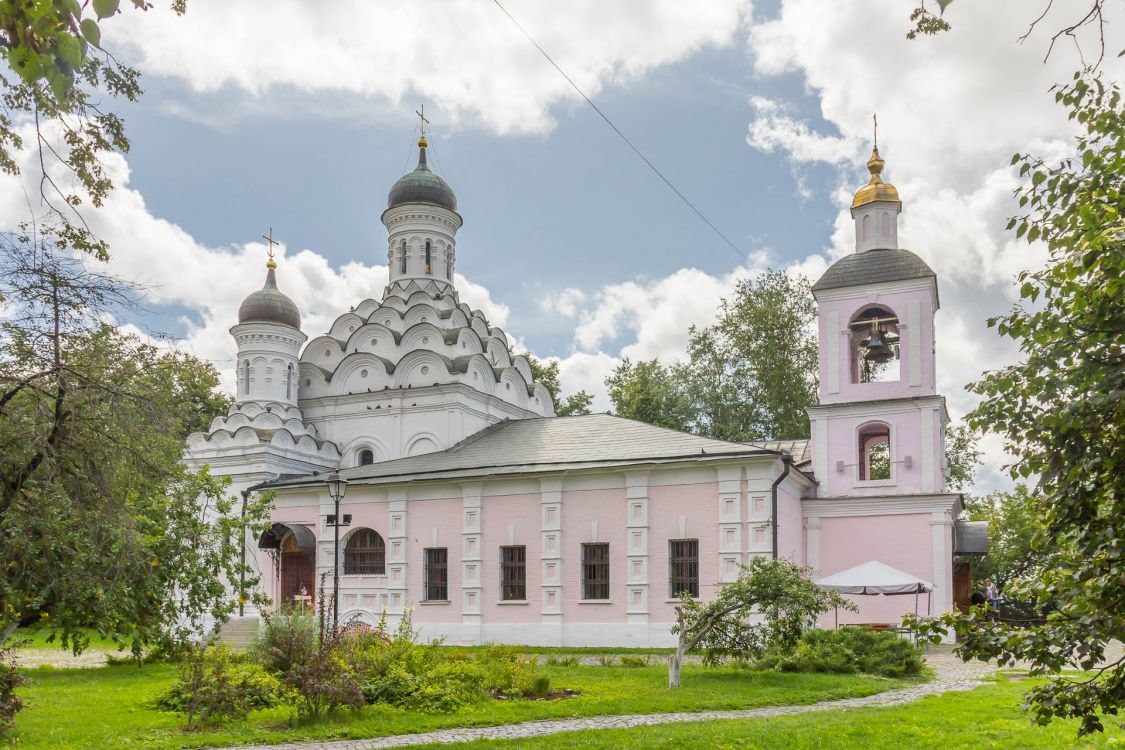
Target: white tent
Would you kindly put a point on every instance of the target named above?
(874, 578)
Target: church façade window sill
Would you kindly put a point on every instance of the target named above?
(432, 602)
(507, 602)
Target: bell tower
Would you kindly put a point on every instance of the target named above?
(880, 425)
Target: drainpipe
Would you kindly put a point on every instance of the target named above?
(787, 459)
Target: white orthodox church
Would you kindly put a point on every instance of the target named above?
(471, 503)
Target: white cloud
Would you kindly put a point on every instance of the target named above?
(463, 55)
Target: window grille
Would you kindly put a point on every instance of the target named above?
(683, 566)
(513, 573)
(435, 574)
(365, 554)
(595, 571)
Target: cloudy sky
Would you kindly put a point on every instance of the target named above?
(299, 116)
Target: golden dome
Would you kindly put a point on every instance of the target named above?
(876, 189)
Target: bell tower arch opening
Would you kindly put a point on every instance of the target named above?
(874, 336)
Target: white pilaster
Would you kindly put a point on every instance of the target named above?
(472, 565)
(812, 543)
(636, 547)
(833, 334)
(550, 511)
(729, 479)
(914, 342)
(399, 596)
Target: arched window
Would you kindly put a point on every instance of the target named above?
(875, 346)
(449, 263)
(427, 256)
(402, 257)
(246, 376)
(365, 554)
(874, 444)
(866, 226)
(365, 457)
(289, 382)
(885, 230)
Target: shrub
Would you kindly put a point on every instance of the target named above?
(216, 684)
(564, 660)
(607, 661)
(846, 651)
(10, 679)
(310, 657)
(538, 685)
(634, 661)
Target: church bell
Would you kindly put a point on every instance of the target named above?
(877, 348)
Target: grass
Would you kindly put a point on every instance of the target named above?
(988, 717)
(109, 707)
(37, 638)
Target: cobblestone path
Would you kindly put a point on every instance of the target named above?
(951, 672)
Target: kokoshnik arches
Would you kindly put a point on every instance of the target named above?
(468, 499)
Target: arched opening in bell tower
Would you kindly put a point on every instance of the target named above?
(874, 334)
(874, 448)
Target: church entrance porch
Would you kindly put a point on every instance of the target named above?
(293, 548)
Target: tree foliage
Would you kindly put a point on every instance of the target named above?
(752, 374)
(650, 392)
(769, 605)
(961, 456)
(1016, 552)
(548, 374)
(101, 526)
(59, 72)
(1061, 411)
(749, 377)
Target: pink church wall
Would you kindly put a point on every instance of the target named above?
(906, 440)
(521, 512)
(697, 504)
(790, 524)
(581, 508)
(423, 518)
(904, 542)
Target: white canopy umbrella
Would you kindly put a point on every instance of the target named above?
(873, 578)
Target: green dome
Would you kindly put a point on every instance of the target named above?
(422, 186)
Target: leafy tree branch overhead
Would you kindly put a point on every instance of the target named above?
(57, 73)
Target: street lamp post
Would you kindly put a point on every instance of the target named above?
(337, 486)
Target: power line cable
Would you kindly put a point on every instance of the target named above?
(637, 151)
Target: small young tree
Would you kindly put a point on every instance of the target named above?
(771, 603)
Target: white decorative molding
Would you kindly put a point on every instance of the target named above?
(636, 558)
(551, 548)
(841, 507)
(472, 563)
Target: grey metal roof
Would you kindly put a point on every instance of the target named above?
(799, 449)
(970, 538)
(422, 186)
(269, 305)
(873, 267)
(550, 444)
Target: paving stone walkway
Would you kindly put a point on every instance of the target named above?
(951, 674)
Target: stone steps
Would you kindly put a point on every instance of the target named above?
(240, 632)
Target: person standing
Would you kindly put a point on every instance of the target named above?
(991, 594)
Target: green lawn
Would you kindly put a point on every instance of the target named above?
(109, 707)
(988, 717)
(36, 637)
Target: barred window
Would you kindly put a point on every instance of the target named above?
(427, 256)
(435, 574)
(366, 457)
(513, 573)
(595, 571)
(402, 257)
(683, 566)
(365, 554)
